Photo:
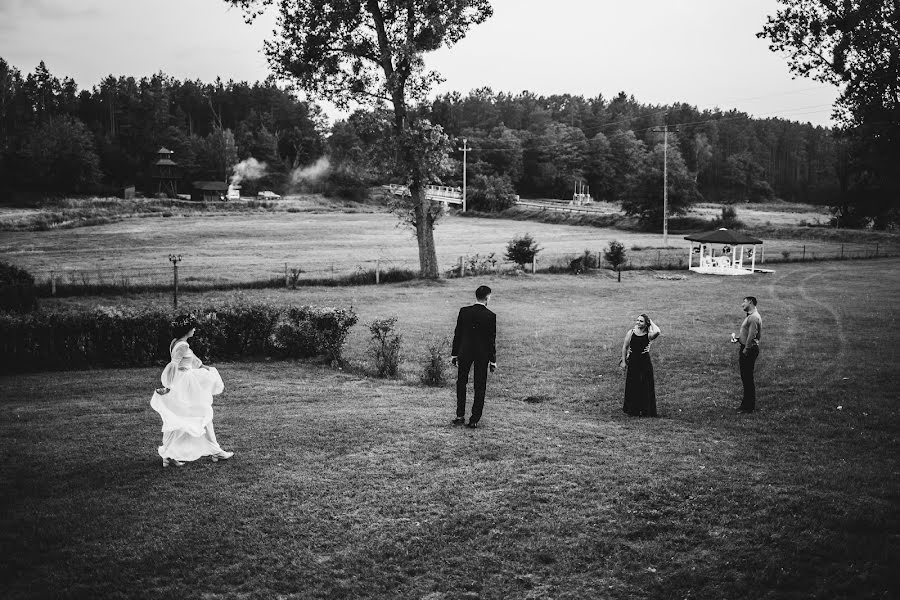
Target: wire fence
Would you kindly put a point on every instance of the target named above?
(675, 258)
(236, 274)
(220, 275)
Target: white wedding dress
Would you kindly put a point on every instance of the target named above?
(186, 409)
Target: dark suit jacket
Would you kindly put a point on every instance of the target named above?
(476, 333)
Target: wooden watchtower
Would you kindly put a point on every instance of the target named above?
(165, 172)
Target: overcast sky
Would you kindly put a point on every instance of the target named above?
(703, 52)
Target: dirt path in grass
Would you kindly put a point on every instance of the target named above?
(804, 316)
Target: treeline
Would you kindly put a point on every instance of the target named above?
(55, 138)
(721, 156)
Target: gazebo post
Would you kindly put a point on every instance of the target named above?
(753, 260)
(741, 261)
(733, 256)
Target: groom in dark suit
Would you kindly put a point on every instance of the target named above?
(474, 345)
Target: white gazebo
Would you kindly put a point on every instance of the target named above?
(732, 258)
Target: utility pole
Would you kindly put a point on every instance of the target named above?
(665, 131)
(666, 187)
(464, 150)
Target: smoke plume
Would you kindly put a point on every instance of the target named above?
(249, 169)
(312, 172)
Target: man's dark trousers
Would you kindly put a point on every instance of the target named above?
(462, 379)
(746, 365)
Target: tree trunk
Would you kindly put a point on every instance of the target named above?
(428, 267)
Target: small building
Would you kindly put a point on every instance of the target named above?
(209, 191)
(732, 257)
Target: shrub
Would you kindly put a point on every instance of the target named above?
(17, 291)
(582, 263)
(116, 337)
(435, 372)
(522, 250)
(239, 331)
(294, 277)
(475, 265)
(490, 193)
(385, 345)
(313, 331)
(615, 256)
(729, 219)
(347, 183)
(481, 265)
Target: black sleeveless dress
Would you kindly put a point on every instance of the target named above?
(640, 389)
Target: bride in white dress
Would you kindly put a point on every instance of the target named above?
(185, 402)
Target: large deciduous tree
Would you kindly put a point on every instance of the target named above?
(371, 52)
(642, 198)
(853, 44)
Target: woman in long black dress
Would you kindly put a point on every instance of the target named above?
(640, 389)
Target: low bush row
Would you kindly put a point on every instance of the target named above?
(112, 337)
(17, 291)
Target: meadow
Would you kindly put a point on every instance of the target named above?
(262, 244)
(346, 486)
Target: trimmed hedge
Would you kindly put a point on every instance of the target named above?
(17, 291)
(111, 337)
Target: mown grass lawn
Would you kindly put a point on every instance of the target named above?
(347, 487)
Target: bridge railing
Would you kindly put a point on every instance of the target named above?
(437, 193)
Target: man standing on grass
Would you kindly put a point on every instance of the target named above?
(474, 345)
(748, 338)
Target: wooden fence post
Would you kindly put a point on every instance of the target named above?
(534, 265)
(462, 267)
(285, 275)
(804, 252)
(377, 271)
(52, 283)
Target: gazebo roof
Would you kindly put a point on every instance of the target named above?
(722, 236)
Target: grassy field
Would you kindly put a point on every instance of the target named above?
(259, 245)
(348, 487)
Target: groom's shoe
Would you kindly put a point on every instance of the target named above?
(459, 421)
(472, 424)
